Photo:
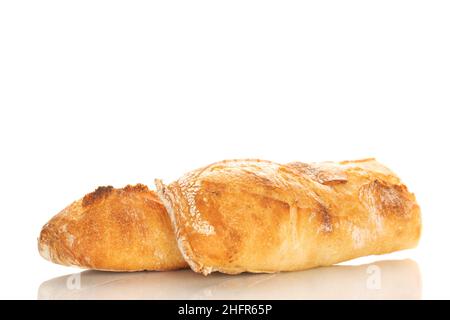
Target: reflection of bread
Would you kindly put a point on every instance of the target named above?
(378, 280)
(113, 229)
(259, 216)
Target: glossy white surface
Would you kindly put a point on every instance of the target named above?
(97, 92)
(380, 280)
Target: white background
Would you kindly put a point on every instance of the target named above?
(116, 92)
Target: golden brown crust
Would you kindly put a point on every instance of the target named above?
(99, 194)
(113, 229)
(258, 216)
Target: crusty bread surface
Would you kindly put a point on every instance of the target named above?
(259, 216)
(112, 229)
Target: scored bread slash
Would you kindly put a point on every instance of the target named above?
(169, 202)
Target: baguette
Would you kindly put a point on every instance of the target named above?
(259, 216)
(113, 229)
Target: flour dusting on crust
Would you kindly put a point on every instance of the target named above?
(167, 198)
(189, 191)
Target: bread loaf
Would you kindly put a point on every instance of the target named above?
(113, 229)
(259, 216)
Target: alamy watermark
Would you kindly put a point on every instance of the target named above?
(73, 281)
(373, 281)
